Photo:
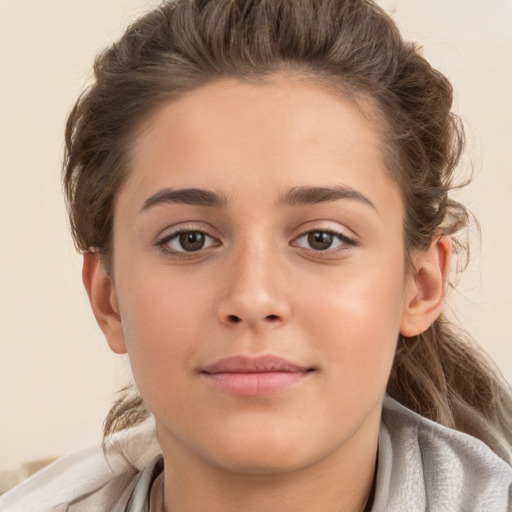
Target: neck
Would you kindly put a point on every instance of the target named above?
(342, 480)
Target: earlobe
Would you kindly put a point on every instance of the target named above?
(103, 299)
(426, 289)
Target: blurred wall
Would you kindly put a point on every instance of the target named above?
(57, 376)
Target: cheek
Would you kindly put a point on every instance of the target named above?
(162, 324)
(355, 324)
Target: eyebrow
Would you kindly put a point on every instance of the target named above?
(190, 196)
(294, 197)
(317, 195)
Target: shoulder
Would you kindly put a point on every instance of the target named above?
(90, 479)
(423, 464)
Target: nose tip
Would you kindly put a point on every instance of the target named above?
(254, 294)
(252, 311)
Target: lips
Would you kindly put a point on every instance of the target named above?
(254, 376)
(262, 364)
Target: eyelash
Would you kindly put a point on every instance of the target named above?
(162, 243)
(345, 242)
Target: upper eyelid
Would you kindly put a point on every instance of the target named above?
(163, 243)
(332, 225)
(347, 244)
(185, 227)
(162, 240)
(352, 237)
(324, 230)
(179, 231)
(343, 238)
(192, 226)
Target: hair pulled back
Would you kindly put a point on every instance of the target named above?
(352, 46)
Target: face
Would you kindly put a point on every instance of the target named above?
(259, 275)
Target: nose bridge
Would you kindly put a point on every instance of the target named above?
(254, 291)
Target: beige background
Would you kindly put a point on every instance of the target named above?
(57, 377)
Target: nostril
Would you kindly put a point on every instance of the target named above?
(234, 319)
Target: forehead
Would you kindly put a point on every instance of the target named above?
(268, 136)
(302, 99)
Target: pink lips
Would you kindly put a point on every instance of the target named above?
(240, 375)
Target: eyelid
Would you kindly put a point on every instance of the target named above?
(328, 226)
(346, 242)
(186, 226)
(172, 233)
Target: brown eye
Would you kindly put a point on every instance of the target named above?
(184, 242)
(192, 240)
(330, 242)
(320, 240)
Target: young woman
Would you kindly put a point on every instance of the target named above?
(260, 191)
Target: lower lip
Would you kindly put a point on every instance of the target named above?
(255, 384)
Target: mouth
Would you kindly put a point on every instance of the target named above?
(255, 376)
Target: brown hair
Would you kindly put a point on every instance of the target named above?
(351, 45)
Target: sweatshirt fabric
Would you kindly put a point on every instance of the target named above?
(422, 466)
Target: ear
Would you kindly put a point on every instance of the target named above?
(102, 296)
(426, 287)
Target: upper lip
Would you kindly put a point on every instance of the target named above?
(260, 364)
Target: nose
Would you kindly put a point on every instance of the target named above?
(255, 291)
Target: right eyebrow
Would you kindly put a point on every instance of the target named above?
(190, 196)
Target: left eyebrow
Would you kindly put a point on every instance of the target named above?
(317, 195)
(190, 196)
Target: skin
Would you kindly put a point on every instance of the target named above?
(259, 287)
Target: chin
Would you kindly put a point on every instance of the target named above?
(261, 451)
(262, 462)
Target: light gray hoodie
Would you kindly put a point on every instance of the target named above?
(422, 466)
